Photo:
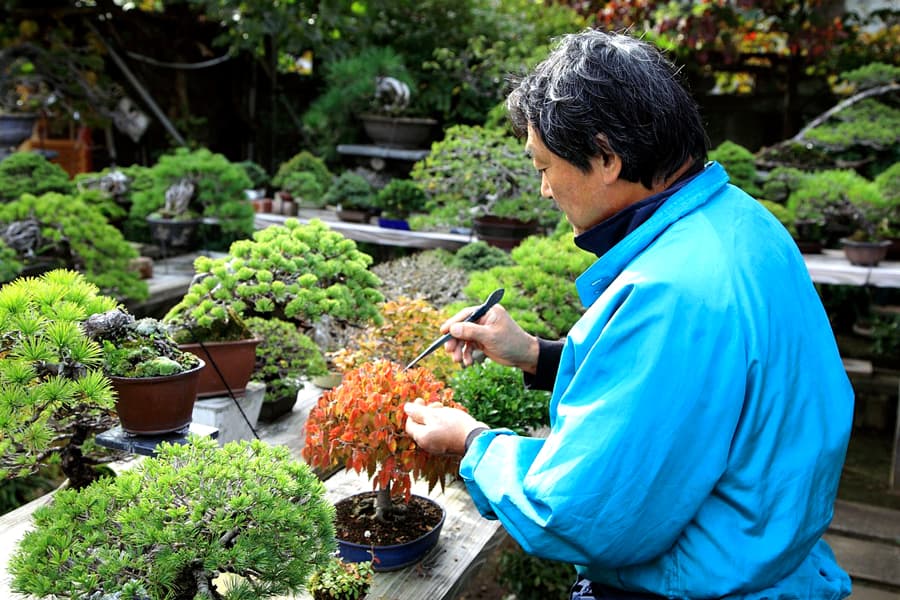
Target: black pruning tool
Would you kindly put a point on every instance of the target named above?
(493, 299)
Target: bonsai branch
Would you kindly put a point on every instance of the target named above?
(877, 91)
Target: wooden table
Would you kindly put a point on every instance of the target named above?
(367, 232)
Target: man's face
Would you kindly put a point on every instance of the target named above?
(585, 198)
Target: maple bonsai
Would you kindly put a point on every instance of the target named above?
(361, 424)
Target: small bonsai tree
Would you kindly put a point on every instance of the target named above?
(495, 395)
(351, 191)
(284, 357)
(294, 272)
(477, 171)
(53, 394)
(303, 162)
(408, 326)
(77, 235)
(399, 198)
(339, 580)
(361, 425)
(888, 184)
(481, 256)
(259, 179)
(136, 347)
(174, 523)
(31, 173)
(305, 189)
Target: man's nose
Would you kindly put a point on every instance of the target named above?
(546, 192)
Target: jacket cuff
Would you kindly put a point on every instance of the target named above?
(549, 353)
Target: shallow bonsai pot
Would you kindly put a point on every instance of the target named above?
(235, 362)
(865, 254)
(153, 405)
(395, 556)
(353, 216)
(175, 233)
(15, 129)
(398, 132)
(503, 232)
(272, 409)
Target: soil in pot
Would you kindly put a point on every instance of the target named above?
(418, 527)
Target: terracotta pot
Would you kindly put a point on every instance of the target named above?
(394, 556)
(865, 254)
(503, 232)
(153, 405)
(235, 362)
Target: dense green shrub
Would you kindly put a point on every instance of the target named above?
(780, 182)
(481, 256)
(284, 357)
(496, 395)
(31, 173)
(259, 179)
(540, 293)
(351, 191)
(80, 236)
(304, 162)
(304, 188)
(529, 577)
(399, 198)
(176, 522)
(833, 198)
(740, 165)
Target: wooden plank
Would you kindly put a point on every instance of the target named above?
(867, 560)
(866, 521)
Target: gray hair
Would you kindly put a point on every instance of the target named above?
(601, 93)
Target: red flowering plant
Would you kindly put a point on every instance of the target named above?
(361, 424)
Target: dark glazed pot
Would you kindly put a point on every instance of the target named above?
(152, 405)
(865, 254)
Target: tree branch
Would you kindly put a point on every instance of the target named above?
(877, 91)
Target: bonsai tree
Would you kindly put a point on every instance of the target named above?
(303, 162)
(495, 395)
(351, 191)
(476, 171)
(284, 357)
(294, 272)
(399, 198)
(361, 425)
(77, 236)
(216, 192)
(53, 393)
(259, 179)
(304, 188)
(31, 173)
(408, 326)
(481, 256)
(888, 184)
(174, 523)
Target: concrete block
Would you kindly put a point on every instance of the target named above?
(222, 413)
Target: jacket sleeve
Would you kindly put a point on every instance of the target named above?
(548, 364)
(649, 390)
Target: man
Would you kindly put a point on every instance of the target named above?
(700, 412)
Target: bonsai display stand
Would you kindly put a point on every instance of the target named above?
(223, 414)
(145, 445)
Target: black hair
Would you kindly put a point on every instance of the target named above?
(599, 93)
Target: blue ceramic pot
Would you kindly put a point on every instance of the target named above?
(391, 558)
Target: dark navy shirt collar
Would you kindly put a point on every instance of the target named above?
(606, 234)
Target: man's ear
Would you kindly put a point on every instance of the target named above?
(607, 160)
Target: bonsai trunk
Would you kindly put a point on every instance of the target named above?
(383, 505)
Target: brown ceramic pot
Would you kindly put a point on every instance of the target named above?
(233, 361)
(153, 405)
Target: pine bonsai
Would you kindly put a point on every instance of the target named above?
(53, 394)
(31, 173)
(175, 522)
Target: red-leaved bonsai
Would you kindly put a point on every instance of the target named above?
(361, 424)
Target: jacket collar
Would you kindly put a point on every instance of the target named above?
(694, 194)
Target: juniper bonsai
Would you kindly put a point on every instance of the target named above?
(31, 173)
(175, 523)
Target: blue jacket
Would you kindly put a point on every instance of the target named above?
(699, 419)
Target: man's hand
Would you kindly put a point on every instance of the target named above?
(496, 334)
(439, 429)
